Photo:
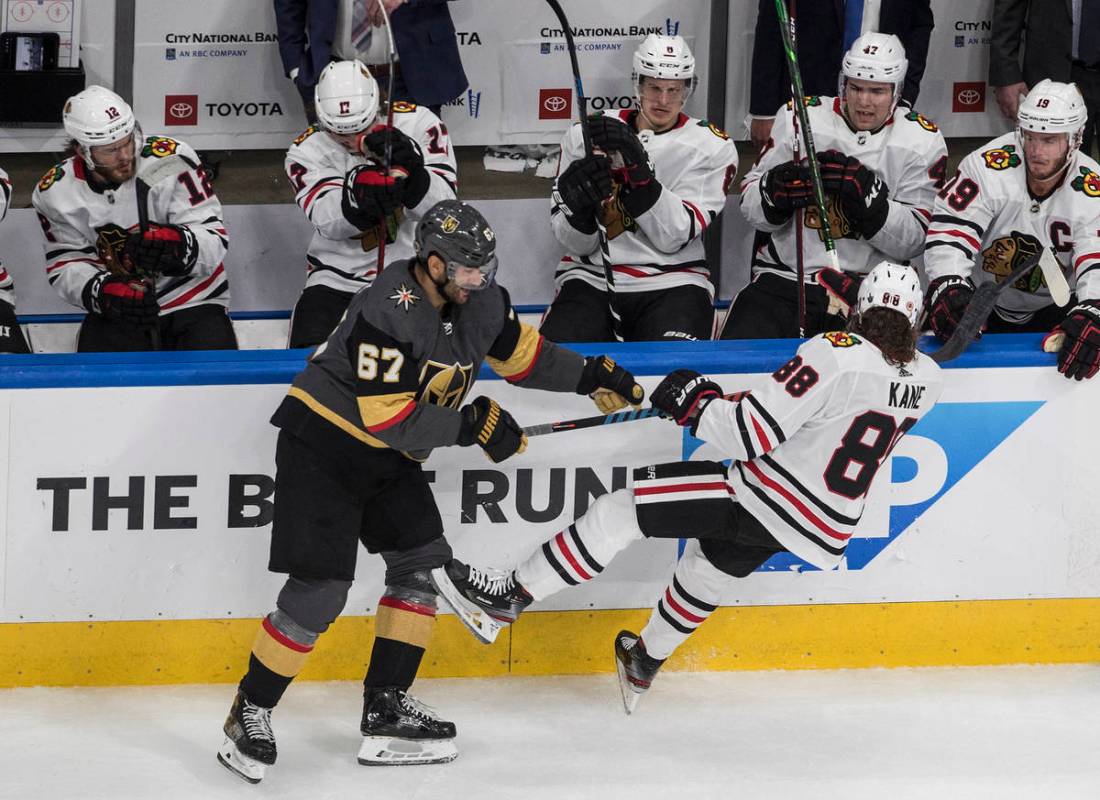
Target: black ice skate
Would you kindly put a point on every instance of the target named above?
(485, 601)
(398, 729)
(635, 667)
(249, 746)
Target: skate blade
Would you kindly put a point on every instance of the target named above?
(388, 751)
(480, 624)
(631, 696)
(233, 760)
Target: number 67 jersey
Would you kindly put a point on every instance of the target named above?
(807, 445)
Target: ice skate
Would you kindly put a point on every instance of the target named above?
(635, 667)
(249, 746)
(486, 601)
(398, 729)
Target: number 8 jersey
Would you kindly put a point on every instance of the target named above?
(807, 445)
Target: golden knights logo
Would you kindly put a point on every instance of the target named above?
(449, 224)
(159, 146)
(923, 121)
(50, 178)
(839, 224)
(1087, 182)
(445, 384)
(1001, 157)
(1007, 253)
(841, 339)
(305, 134)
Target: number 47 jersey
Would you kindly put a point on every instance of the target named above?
(807, 445)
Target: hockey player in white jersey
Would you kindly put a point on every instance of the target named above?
(658, 179)
(805, 448)
(1014, 196)
(11, 335)
(165, 287)
(335, 168)
(880, 164)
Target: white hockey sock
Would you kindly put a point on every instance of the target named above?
(686, 603)
(581, 551)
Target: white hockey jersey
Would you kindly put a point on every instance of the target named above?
(339, 254)
(807, 445)
(7, 286)
(84, 225)
(908, 153)
(985, 211)
(695, 163)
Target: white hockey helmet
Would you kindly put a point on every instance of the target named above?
(96, 117)
(346, 97)
(892, 286)
(877, 57)
(1052, 107)
(666, 58)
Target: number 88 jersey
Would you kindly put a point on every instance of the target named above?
(985, 223)
(807, 445)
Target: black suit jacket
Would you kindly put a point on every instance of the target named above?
(426, 43)
(1047, 27)
(819, 27)
(306, 29)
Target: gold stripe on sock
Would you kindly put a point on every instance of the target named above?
(404, 622)
(278, 653)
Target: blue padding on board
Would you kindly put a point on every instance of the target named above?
(280, 366)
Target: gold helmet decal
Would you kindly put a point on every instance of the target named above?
(449, 224)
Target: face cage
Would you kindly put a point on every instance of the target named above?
(488, 271)
(86, 150)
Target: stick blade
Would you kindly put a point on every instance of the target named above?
(161, 169)
(1055, 278)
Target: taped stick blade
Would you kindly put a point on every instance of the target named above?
(161, 169)
(1054, 277)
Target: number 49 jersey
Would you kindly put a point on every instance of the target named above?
(807, 445)
(985, 217)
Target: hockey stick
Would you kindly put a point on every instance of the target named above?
(800, 214)
(605, 419)
(387, 153)
(582, 110)
(980, 307)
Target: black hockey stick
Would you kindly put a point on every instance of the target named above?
(387, 154)
(605, 419)
(979, 308)
(582, 110)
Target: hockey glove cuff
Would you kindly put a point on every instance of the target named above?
(841, 289)
(369, 195)
(683, 395)
(486, 424)
(1079, 355)
(126, 300)
(611, 387)
(948, 297)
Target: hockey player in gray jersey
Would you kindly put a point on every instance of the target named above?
(879, 166)
(335, 169)
(383, 391)
(805, 448)
(11, 335)
(1015, 196)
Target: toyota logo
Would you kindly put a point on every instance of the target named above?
(554, 104)
(969, 97)
(181, 110)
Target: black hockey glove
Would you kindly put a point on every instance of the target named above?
(405, 154)
(581, 188)
(640, 187)
(841, 288)
(865, 196)
(948, 297)
(785, 188)
(1079, 357)
(160, 250)
(126, 300)
(370, 196)
(486, 424)
(611, 387)
(683, 395)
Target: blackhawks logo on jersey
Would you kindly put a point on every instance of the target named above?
(839, 224)
(312, 129)
(1007, 253)
(841, 339)
(159, 147)
(444, 384)
(50, 178)
(923, 121)
(615, 218)
(403, 107)
(1087, 182)
(808, 101)
(1002, 157)
(110, 244)
(710, 126)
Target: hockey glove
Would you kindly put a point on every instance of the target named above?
(581, 188)
(611, 387)
(161, 250)
(784, 189)
(841, 288)
(1079, 357)
(404, 154)
(683, 395)
(486, 424)
(370, 196)
(630, 163)
(864, 194)
(948, 297)
(126, 300)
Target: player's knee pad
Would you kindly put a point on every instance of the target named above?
(698, 576)
(609, 525)
(310, 605)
